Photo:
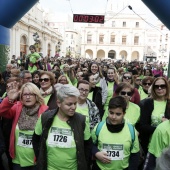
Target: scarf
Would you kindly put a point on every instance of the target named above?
(109, 80)
(47, 92)
(114, 128)
(28, 117)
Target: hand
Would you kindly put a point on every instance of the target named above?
(13, 90)
(102, 156)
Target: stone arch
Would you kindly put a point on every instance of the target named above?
(123, 55)
(89, 53)
(112, 54)
(100, 54)
(23, 45)
(135, 55)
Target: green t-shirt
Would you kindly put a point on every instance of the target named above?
(24, 154)
(117, 145)
(132, 113)
(142, 94)
(158, 112)
(61, 148)
(131, 116)
(109, 93)
(33, 57)
(90, 96)
(160, 139)
(69, 81)
(47, 98)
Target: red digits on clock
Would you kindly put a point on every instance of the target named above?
(80, 18)
(91, 19)
(97, 19)
(101, 20)
(76, 17)
(86, 18)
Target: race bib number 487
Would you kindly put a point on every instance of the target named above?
(114, 151)
(25, 140)
(59, 137)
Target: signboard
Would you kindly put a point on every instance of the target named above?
(99, 19)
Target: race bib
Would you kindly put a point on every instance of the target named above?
(61, 138)
(114, 151)
(25, 140)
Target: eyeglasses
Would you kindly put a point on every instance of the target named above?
(83, 90)
(28, 95)
(162, 86)
(149, 84)
(138, 79)
(123, 93)
(127, 77)
(45, 80)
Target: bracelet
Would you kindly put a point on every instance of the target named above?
(10, 101)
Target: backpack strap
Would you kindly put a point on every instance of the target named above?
(132, 133)
(99, 127)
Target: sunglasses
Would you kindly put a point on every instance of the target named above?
(149, 84)
(127, 77)
(45, 80)
(123, 93)
(162, 86)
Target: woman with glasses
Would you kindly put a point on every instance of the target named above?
(132, 110)
(128, 78)
(154, 110)
(25, 114)
(143, 90)
(48, 92)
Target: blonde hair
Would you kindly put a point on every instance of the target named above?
(35, 90)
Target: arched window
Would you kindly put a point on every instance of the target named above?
(23, 45)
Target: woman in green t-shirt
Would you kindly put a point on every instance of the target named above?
(154, 110)
(25, 114)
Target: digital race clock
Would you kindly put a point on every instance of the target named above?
(88, 18)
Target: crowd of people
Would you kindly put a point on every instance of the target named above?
(62, 113)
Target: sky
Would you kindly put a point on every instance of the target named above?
(96, 7)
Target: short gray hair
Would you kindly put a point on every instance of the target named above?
(22, 73)
(163, 163)
(67, 90)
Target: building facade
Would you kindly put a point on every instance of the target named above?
(49, 40)
(121, 37)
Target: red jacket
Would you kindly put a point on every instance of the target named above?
(13, 111)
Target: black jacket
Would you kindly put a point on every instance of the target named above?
(97, 99)
(77, 124)
(145, 129)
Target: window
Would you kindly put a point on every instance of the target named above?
(124, 24)
(113, 23)
(161, 38)
(112, 39)
(123, 39)
(66, 35)
(137, 24)
(101, 39)
(136, 40)
(89, 39)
